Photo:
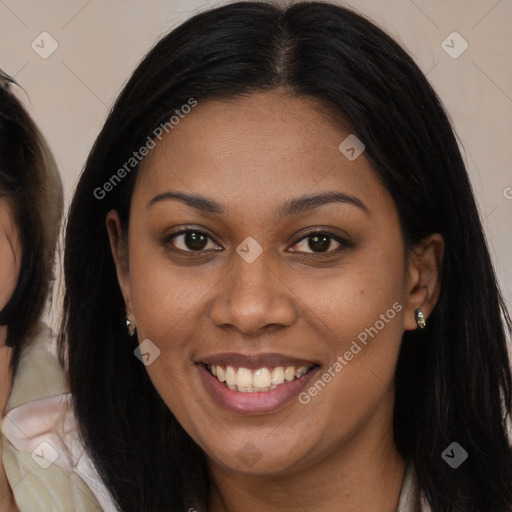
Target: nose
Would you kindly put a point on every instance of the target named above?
(253, 298)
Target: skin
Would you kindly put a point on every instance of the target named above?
(10, 258)
(252, 155)
(10, 252)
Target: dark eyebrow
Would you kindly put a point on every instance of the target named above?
(198, 202)
(309, 202)
(292, 207)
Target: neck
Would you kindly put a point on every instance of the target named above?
(365, 473)
(3, 335)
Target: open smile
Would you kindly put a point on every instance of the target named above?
(247, 386)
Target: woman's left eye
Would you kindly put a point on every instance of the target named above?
(320, 242)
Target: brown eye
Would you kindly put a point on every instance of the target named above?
(320, 242)
(190, 240)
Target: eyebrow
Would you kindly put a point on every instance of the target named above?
(291, 207)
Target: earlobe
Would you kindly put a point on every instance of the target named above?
(119, 249)
(423, 284)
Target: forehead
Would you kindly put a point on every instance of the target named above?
(252, 150)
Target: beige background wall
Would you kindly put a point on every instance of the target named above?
(100, 43)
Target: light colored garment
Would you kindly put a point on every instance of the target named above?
(411, 500)
(6, 497)
(45, 462)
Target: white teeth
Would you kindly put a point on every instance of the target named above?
(230, 376)
(243, 378)
(277, 375)
(262, 379)
(300, 371)
(289, 373)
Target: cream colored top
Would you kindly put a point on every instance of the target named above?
(45, 461)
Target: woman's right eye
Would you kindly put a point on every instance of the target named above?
(189, 240)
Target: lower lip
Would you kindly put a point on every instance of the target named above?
(257, 402)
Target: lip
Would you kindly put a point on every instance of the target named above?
(254, 361)
(259, 402)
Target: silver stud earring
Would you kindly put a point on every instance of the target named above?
(420, 319)
(131, 328)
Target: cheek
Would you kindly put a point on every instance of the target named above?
(353, 296)
(357, 311)
(166, 299)
(165, 302)
(9, 266)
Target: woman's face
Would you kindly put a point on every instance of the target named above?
(10, 252)
(248, 296)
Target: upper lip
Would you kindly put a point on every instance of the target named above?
(254, 361)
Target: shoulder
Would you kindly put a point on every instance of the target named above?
(44, 458)
(39, 373)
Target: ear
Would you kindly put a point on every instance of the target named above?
(423, 280)
(119, 248)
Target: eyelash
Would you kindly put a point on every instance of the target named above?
(344, 244)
